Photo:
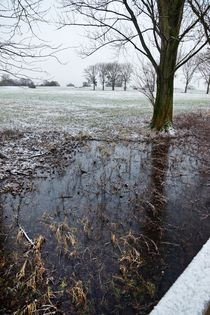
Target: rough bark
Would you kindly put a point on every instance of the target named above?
(208, 86)
(186, 87)
(163, 108)
(125, 85)
(170, 13)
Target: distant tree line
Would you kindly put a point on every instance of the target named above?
(49, 83)
(111, 74)
(7, 81)
(70, 85)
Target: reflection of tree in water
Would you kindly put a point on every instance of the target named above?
(153, 227)
(157, 201)
(97, 229)
(159, 160)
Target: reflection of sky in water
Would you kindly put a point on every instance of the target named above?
(106, 175)
(116, 179)
(114, 184)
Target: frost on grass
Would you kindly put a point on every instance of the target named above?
(27, 151)
(73, 111)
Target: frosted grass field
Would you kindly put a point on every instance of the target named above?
(86, 111)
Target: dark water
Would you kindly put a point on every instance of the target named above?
(157, 192)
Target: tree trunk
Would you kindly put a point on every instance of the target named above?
(103, 86)
(186, 87)
(163, 107)
(208, 86)
(125, 85)
(113, 86)
(170, 21)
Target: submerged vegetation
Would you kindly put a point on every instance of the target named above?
(95, 226)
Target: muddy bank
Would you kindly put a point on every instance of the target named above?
(112, 224)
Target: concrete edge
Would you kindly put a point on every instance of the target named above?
(190, 294)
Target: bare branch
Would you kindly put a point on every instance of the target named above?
(145, 80)
(20, 45)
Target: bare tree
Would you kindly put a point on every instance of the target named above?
(102, 73)
(155, 28)
(145, 80)
(113, 73)
(126, 72)
(91, 75)
(189, 69)
(204, 68)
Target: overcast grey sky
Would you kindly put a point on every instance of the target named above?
(70, 39)
(71, 68)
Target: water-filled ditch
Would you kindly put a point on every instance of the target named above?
(119, 225)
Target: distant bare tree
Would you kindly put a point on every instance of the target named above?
(91, 75)
(145, 80)
(113, 73)
(188, 70)
(126, 72)
(204, 68)
(102, 73)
